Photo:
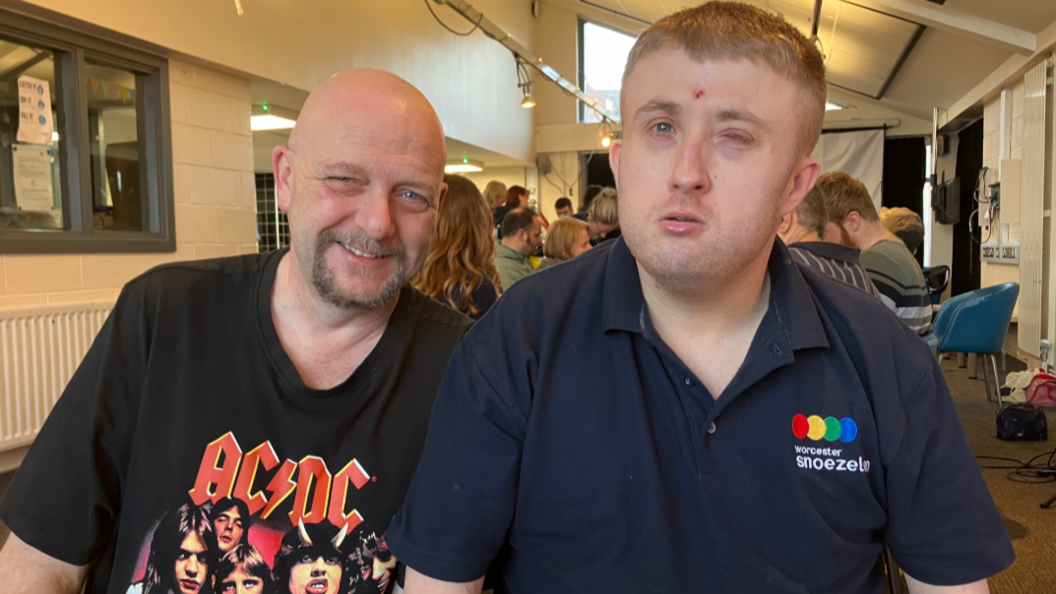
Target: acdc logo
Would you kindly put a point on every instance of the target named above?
(226, 472)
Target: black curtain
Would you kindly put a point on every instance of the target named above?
(905, 169)
(966, 243)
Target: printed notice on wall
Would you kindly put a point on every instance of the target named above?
(35, 123)
(33, 187)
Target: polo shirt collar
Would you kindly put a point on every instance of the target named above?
(792, 304)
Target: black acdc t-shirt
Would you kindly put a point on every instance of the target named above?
(187, 402)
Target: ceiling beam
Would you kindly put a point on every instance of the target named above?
(950, 20)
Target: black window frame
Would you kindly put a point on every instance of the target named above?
(79, 235)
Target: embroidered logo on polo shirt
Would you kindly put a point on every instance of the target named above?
(830, 429)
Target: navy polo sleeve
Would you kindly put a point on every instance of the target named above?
(944, 528)
(461, 501)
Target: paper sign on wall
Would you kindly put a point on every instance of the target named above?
(32, 168)
(35, 123)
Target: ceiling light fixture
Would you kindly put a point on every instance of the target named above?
(524, 83)
(830, 106)
(267, 117)
(464, 165)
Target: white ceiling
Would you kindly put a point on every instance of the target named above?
(1029, 15)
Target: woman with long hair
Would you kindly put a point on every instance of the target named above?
(460, 268)
(566, 239)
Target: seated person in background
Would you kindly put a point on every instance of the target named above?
(516, 197)
(563, 206)
(495, 194)
(603, 217)
(803, 231)
(459, 269)
(588, 197)
(890, 265)
(522, 234)
(566, 239)
(905, 224)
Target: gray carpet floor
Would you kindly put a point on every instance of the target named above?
(1033, 530)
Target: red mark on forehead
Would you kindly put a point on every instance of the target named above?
(697, 94)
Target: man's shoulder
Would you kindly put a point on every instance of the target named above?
(232, 271)
(434, 314)
(829, 251)
(891, 259)
(581, 215)
(861, 320)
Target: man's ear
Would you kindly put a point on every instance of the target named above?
(443, 193)
(853, 221)
(614, 159)
(282, 169)
(786, 223)
(804, 173)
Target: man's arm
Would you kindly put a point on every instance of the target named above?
(916, 587)
(417, 583)
(24, 569)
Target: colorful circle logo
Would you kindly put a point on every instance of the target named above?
(828, 428)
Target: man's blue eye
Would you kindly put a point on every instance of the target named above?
(664, 127)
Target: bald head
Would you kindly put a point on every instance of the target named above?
(371, 104)
(361, 181)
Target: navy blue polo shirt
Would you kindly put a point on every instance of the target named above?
(570, 447)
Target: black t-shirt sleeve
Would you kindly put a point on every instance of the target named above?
(944, 528)
(462, 499)
(65, 498)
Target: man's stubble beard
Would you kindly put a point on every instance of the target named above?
(690, 271)
(322, 277)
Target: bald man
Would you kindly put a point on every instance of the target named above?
(298, 382)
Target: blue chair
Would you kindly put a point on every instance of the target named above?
(977, 322)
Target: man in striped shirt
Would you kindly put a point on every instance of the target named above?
(854, 220)
(803, 231)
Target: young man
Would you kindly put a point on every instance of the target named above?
(803, 231)
(682, 410)
(563, 207)
(299, 382)
(522, 234)
(180, 560)
(891, 266)
(243, 570)
(231, 522)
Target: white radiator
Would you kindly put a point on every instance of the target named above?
(40, 348)
(1031, 256)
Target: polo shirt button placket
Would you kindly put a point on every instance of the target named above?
(689, 382)
(712, 428)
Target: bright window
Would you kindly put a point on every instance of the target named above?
(603, 55)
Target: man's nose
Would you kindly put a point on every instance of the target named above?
(690, 174)
(374, 215)
(193, 566)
